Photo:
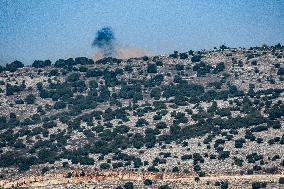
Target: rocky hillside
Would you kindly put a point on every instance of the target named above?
(199, 113)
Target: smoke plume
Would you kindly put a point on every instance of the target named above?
(106, 45)
(104, 41)
(125, 53)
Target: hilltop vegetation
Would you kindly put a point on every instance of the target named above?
(199, 112)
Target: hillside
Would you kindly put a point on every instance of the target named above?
(202, 117)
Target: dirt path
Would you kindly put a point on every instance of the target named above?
(115, 178)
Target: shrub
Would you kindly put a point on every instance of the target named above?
(93, 84)
(69, 175)
(256, 168)
(257, 185)
(175, 55)
(223, 112)
(202, 68)
(254, 62)
(145, 58)
(259, 128)
(196, 58)
(239, 143)
(197, 168)
(186, 157)
(86, 161)
(117, 165)
(259, 140)
(53, 72)
(250, 136)
(275, 157)
(128, 68)
(179, 67)
(104, 166)
(19, 101)
(73, 77)
(253, 157)
(2, 68)
(197, 158)
(156, 93)
(59, 105)
(238, 162)
(164, 187)
(224, 154)
(280, 71)
(175, 169)
(183, 56)
(83, 69)
(141, 122)
(157, 117)
(11, 89)
(219, 68)
(153, 169)
(49, 124)
(128, 185)
(30, 99)
(94, 73)
(161, 125)
(44, 170)
(41, 64)
(159, 63)
(274, 124)
(271, 170)
(201, 174)
(148, 182)
(152, 68)
(83, 61)
(224, 185)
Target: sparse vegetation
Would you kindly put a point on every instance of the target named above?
(146, 114)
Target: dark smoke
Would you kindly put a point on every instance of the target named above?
(104, 41)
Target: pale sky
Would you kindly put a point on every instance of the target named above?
(53, 29)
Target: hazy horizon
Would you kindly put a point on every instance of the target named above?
(31, 30)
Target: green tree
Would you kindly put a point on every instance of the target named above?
(183, 56)
(141, 122)
(30, 99)
(152, 68)
(281, 180)
(219, 68)
(73, 77)
(164, 187)
(258, 185)
(44, 170)
(93, 84)
(148, 182)
(156, 93)
(196, 58)
(41, 64)
(104, 166)
(128, 185)
(59, 105)
(128, 68)
(12, 67)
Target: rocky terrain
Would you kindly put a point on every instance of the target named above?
(198, 119)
